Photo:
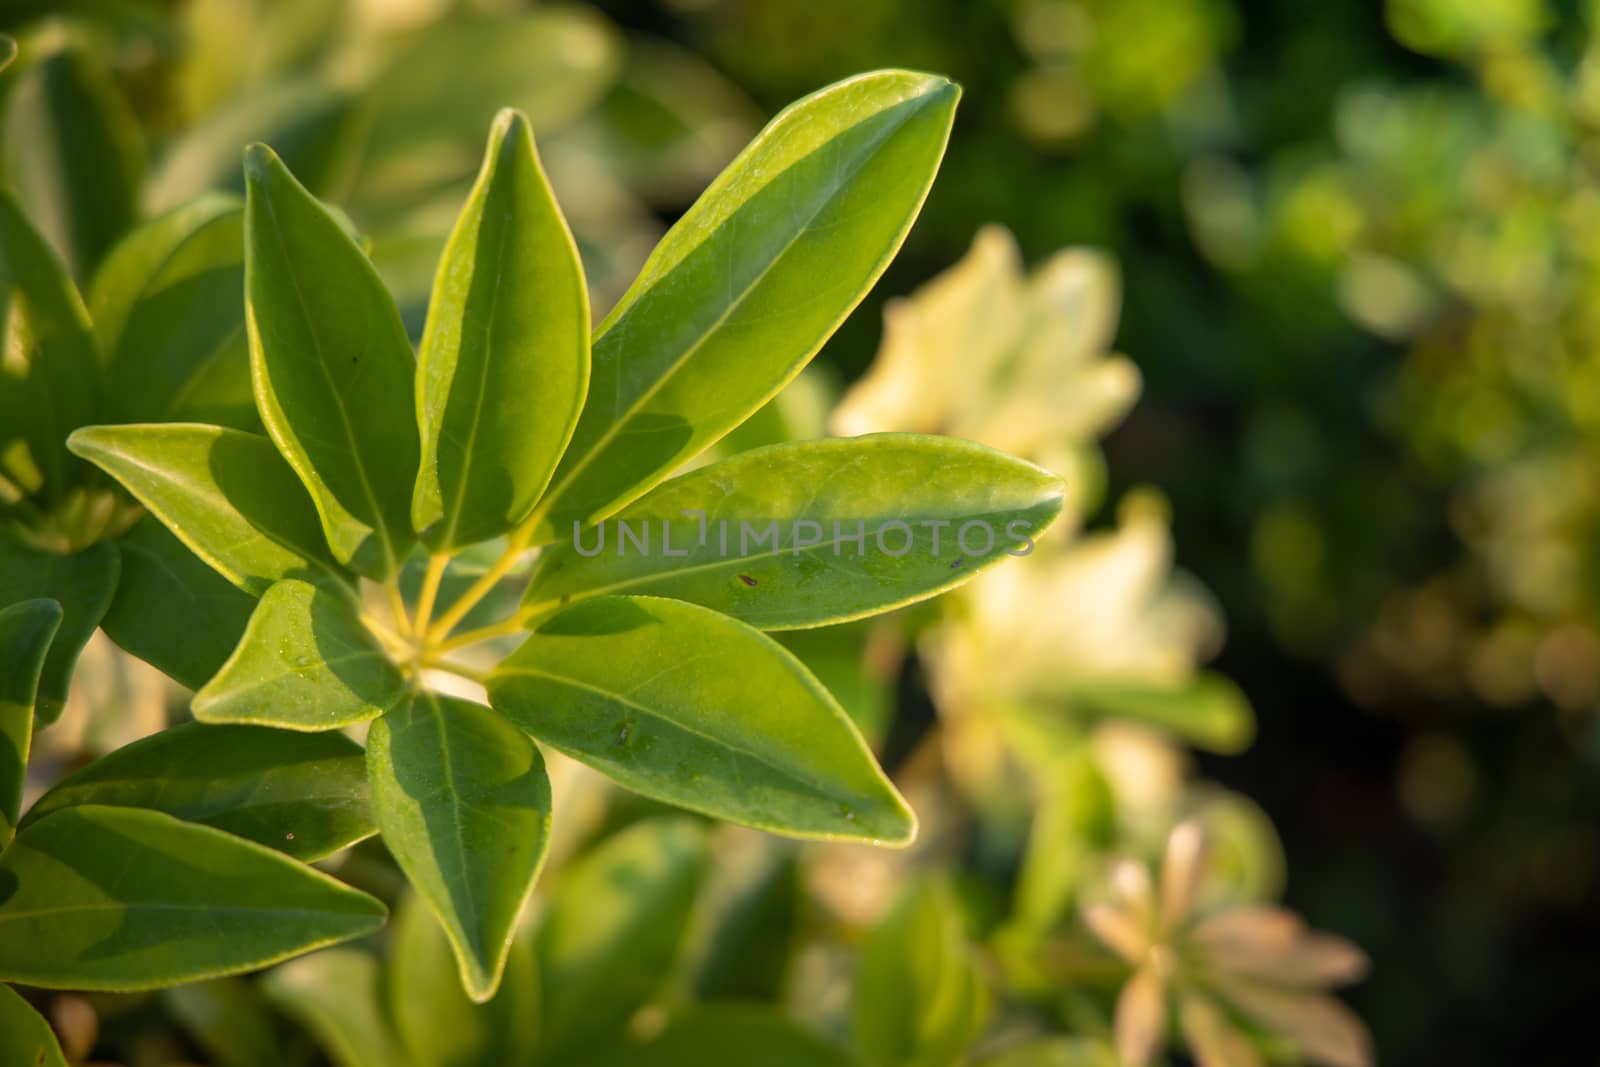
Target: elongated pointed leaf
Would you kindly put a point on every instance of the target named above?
(614, 928)
(82, 584)
(337, 995)
(25, 633)
(74, 153)
(226, 494)
(691, 707)
(50, 377)
(305, 662)
(314, 128)
(25, 1038)
(919, 1000)
(739, 1035)
(171, 609)
(505, 353)
(1208, 711)
(166, 309)
(438, 1023)
(813, 532)
(744, 290)
(302, 794)
(464, 805)
(123, 899)
(332, 368)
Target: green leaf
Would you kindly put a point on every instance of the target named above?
(691, 707)
(919, 1000)
(171, 609)
(25, 1038)
(438, 1023)
(74, 153)
(464, 805)
(305, 662)
(315, 129)
(337, 996)
(167, 311)
(8, 50)
(25, 633)
(226, 494)
(1208, 711)
(505, 353)
(50, 377)
(302, 794)
(82, 584)
(739, 1035)
(746, 287)
(332, 367)
(769, 535)
(229, 1020)
(614, 928)
(431, 101)
(747, 920)
(122, 899)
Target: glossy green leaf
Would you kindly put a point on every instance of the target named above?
(696, 709)
(123, 899)
(919, 1001)
(739, 1035)
(226, 494)
(300, 793)
(317, 131)
(438, 1023)
(228, 1019)
(25, 633)
(464, 805)
(332, 367)
(74, 152)
(171, 609)
(770, 536)
(166, 309)
(1208, 711)
(50, 377)
(613, 929)
(305, 662)
(505, 353)
(746, 287)
(82, 583)
(337, 995)
(25, 1038)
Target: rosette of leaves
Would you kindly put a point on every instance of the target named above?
(515, 430)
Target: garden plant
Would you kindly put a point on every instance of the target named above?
(454, 610)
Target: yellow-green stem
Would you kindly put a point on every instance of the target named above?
(504, 628)
(431, 581)
(484, 585)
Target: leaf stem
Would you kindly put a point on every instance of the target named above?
(431, 581)
(503, 628)
(397, 604)
(398, 645)
(515, 547)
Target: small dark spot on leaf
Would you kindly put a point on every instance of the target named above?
(957, 564)
(747, 580)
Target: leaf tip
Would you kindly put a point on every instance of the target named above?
(259, 163)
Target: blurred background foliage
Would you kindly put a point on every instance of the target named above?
(1351, 250)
